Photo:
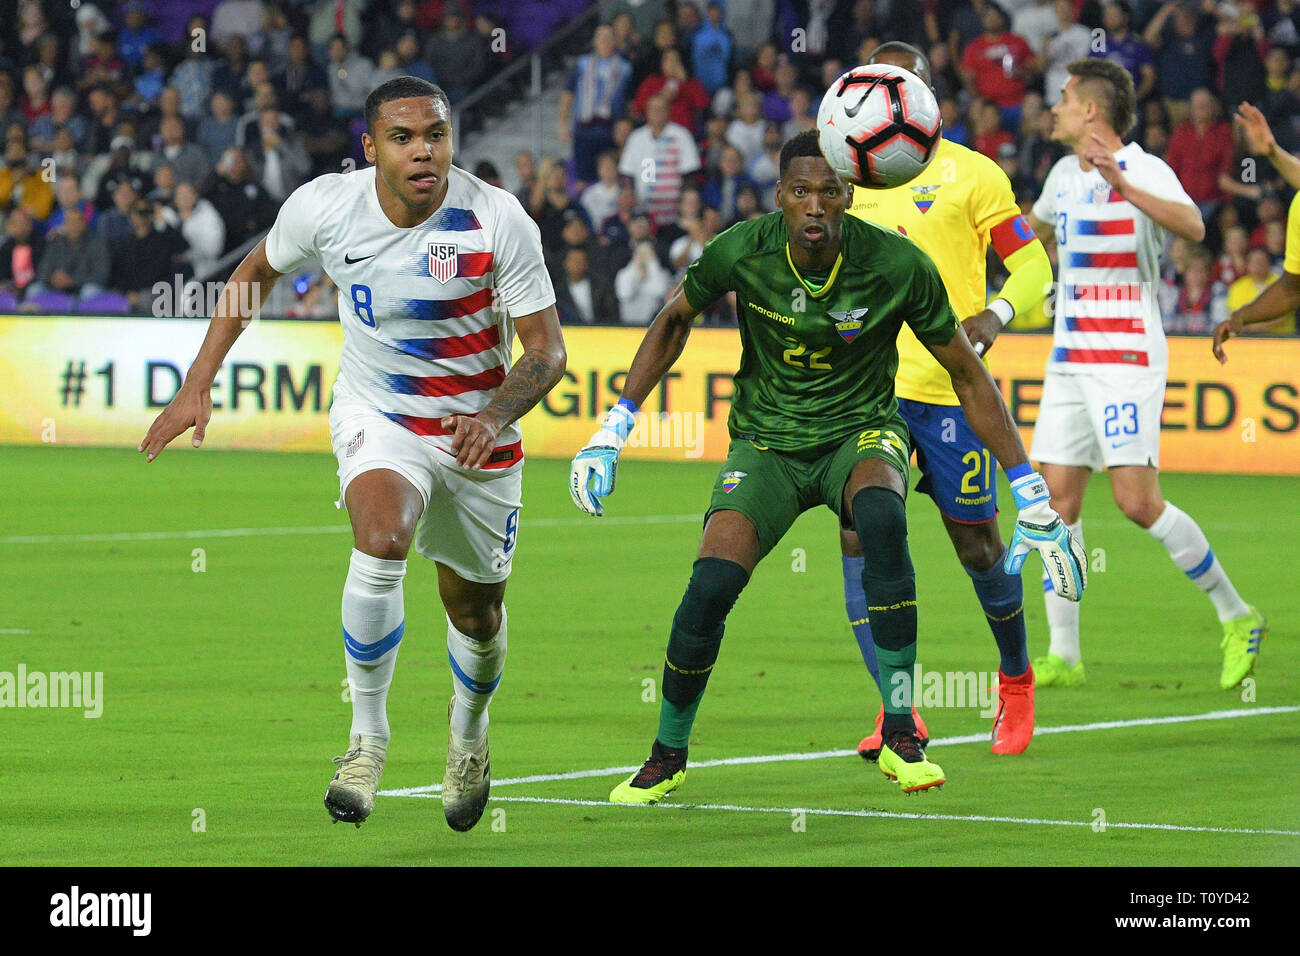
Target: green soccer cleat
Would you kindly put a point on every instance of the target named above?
(903, 761)
(663, 773)
(1052, 671)
(467, 781)
(1241, 639)
(351, 794)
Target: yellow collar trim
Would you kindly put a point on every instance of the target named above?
(819, 291)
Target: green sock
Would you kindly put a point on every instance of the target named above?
(693, 644)
(889, 584)
(896, 676)
(675, 722)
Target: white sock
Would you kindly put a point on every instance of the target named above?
(1063, 615)
(476, 668)
(1186, 544)
(373, 621)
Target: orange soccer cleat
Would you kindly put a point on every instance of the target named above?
(1013, 727)
(869, 748)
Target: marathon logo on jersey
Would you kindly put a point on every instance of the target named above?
(355, 445)
(442, 261)
(924, 197)
(731, 479)
(848, 323)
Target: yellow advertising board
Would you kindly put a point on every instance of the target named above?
(101, 381)
(1241, 417)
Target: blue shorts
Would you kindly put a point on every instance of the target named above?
(958, 472)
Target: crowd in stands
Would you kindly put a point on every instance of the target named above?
(146, 140)
(704, 93)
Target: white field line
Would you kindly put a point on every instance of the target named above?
(885, 814)
(106, 536)
(829, 754)
(15, 630)
(97, 537)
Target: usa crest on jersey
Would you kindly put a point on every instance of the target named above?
(442, 260)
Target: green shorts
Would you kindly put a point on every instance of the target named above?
(772, 488)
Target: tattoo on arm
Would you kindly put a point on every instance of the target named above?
(532, 377)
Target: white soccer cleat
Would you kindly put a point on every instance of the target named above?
(467, 781)
(351, 794)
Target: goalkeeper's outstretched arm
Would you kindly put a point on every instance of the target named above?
(1038, 527)
(192, 405)
(595, 468)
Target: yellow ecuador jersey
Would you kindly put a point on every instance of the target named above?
(1246, 289)
(1292, 262)
(959, 205)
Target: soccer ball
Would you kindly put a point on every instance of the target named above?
(878, 126)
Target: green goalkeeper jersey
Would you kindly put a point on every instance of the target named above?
(818, 357)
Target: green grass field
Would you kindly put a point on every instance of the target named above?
(223, 688)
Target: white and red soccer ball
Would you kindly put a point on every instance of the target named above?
(878, 126)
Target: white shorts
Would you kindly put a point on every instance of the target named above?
(471, 518)
(1097, 421)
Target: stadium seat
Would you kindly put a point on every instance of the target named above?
(52, 302)
(106, 303)
(8, 302)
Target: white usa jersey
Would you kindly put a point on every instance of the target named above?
(426, 310)
(1108, 257)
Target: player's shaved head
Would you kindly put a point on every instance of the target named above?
(812, 198)
(401, 88)
(802, 144)
(898, 53)
(408, 138)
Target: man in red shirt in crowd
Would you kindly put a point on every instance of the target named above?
(1200, 152)
(686, 96)
(997, 65)
(986, 125)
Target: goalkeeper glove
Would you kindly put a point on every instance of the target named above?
(1039, 528)
(595, 467)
